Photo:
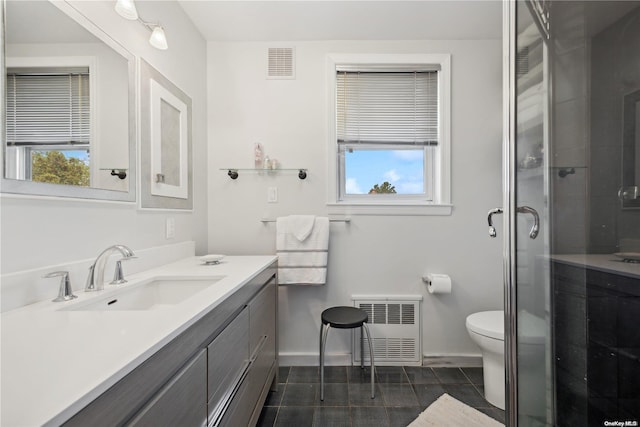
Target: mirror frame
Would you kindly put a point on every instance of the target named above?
(630, 177)
(14, 186)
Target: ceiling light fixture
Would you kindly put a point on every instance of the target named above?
(158, 39)
(127, 9)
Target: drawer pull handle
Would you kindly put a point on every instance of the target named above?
(263, 340)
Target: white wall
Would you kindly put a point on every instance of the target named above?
(37, 232)
(373, 254)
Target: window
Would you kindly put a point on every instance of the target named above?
(48, 125)
(390, 136)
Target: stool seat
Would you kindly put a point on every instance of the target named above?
(344, 317)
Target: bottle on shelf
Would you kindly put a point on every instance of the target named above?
(258, 155)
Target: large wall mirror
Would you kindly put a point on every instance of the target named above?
(69, 115)
(630, 191)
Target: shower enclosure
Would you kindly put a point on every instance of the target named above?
(572, 161)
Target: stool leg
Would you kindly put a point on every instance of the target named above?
(373, 387)
(322, 347)
(320, 344)
(361, 348)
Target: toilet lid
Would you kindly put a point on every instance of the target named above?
(487, 323)
(531, 329)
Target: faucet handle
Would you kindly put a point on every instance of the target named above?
(118, 275)
(65, 293)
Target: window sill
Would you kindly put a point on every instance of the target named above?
(391, 209)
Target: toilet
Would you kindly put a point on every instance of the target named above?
(486, 329)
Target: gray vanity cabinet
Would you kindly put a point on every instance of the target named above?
(216, 373)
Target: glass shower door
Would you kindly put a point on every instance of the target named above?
(532, 165)
(528, 314)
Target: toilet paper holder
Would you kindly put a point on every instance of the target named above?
(437, 283)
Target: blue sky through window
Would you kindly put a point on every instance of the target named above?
(403, 169)
(78, 154)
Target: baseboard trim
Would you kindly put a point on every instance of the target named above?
(344, 359)
(452, 361)
(311, 359)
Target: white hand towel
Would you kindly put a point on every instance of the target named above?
(300, 225)
(302, 261)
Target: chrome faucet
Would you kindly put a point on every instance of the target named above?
(95, 280)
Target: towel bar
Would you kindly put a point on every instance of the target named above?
(265, 220)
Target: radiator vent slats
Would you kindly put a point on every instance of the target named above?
(395, 332)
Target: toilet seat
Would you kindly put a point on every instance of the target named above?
(487, 323)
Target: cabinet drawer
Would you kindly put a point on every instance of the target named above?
(228, 356)
(181, 401)
(262, 314)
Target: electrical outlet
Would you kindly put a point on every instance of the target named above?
(272, 195)
(170, 228)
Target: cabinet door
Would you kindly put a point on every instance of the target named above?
(182, 401)
(262, 315)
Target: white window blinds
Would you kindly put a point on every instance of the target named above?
(48, 108)
(387, 107)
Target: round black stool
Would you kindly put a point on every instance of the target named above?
(345, 318)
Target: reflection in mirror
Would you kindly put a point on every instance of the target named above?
(69, 128)
(630, 191)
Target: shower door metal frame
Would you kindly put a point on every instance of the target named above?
(509, 204)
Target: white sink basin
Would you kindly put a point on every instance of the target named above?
(152, 294)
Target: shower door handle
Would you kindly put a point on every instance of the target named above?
(492, 229)
(535, 228)
(628, 193)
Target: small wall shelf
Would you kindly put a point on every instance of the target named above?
(234, 172)
(119, 172)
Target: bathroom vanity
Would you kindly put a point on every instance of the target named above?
(209, 360)
(597, 339)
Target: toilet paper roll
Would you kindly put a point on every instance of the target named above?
(438, 283)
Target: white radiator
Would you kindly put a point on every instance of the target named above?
(394, 322)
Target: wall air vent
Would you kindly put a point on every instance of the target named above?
(394, 322)
(281, 63)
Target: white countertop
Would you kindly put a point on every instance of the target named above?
(602, 262)
(55, 362)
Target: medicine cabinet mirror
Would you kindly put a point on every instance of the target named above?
(69, 115)
(166, 166)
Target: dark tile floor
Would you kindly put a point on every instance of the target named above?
(401, 394)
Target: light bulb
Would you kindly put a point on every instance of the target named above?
(127, 9)
(158, 39)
